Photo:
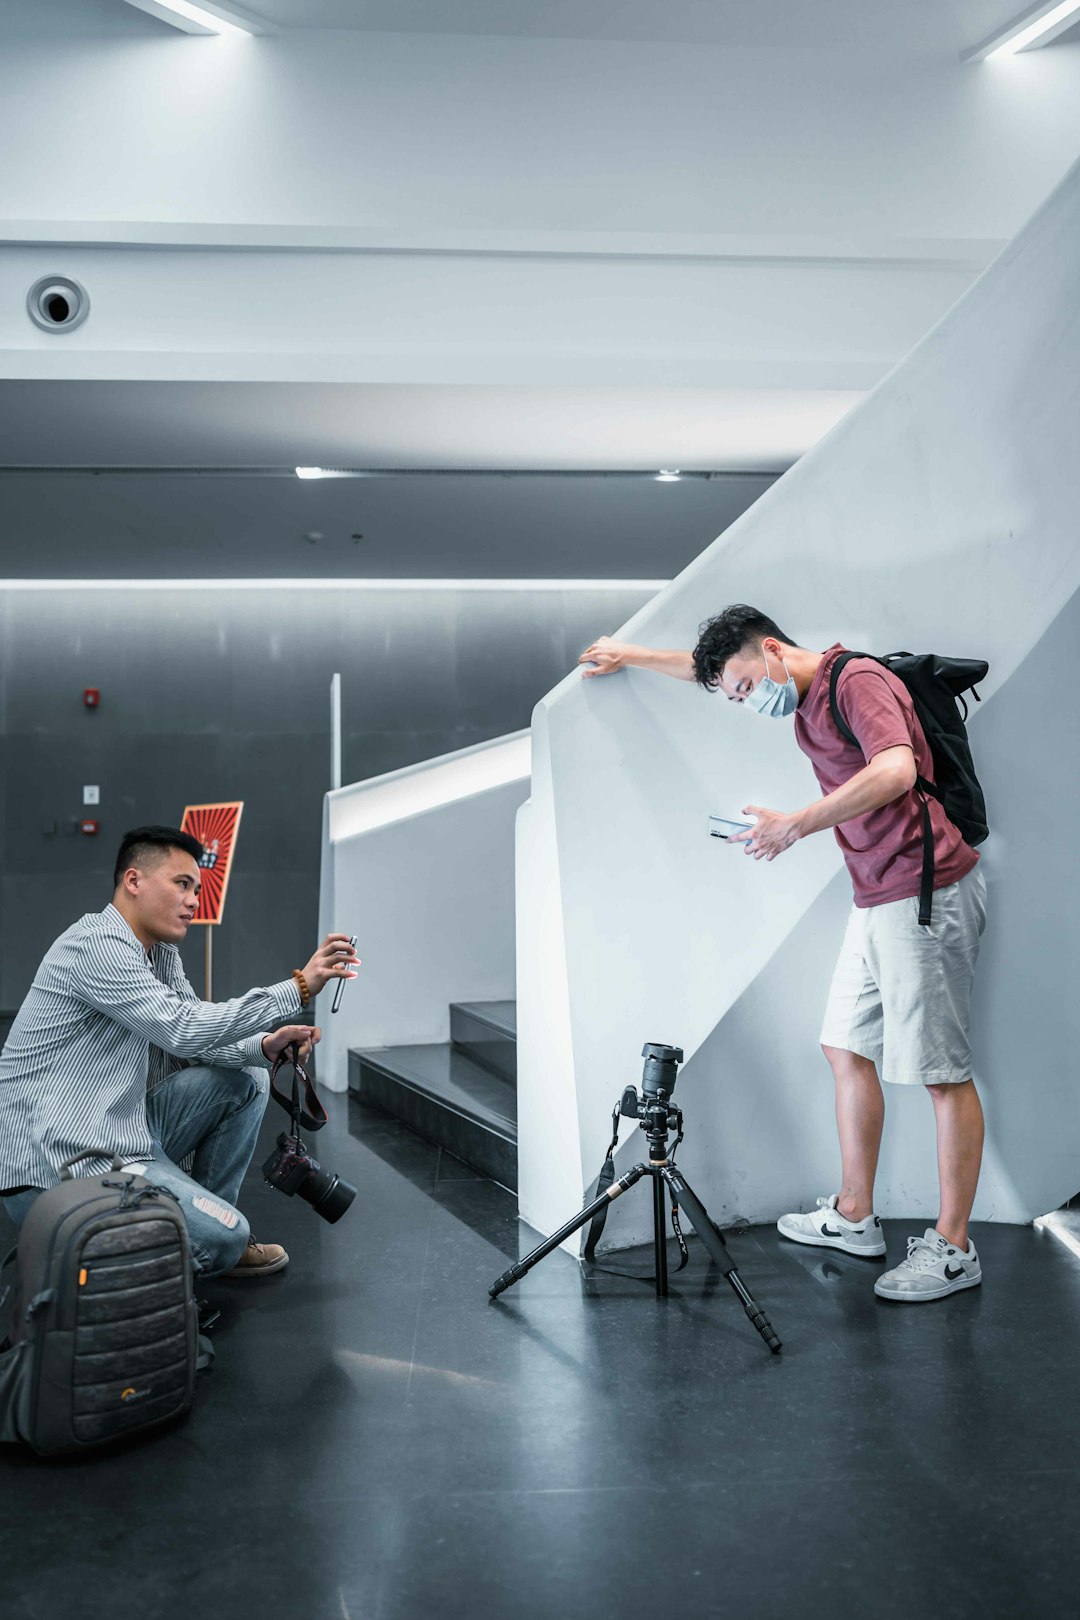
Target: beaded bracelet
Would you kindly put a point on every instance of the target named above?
(302, 986)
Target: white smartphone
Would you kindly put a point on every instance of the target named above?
(720, 827)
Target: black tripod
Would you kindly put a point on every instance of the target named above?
(657, 1118)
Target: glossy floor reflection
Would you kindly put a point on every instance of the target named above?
(378, 1441)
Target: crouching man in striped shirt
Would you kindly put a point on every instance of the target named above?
(113, 1049)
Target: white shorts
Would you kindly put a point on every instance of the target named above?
(901, 994)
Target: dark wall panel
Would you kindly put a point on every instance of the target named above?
(169, 525)
(219, 695)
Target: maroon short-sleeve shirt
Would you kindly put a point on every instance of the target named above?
(883, 849)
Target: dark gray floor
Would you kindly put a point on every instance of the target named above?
(379, 1442)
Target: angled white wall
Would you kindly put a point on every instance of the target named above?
(419, 864)
(941, 513)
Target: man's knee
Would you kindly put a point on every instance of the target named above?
(218, 1232)
(952, 1091)
(243, 1087)
(852, 1069)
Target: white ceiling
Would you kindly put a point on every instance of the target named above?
(910, 145)
(922, 27)
(206, 424)
(887, 25)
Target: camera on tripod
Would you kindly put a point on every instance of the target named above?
(657, 1117)
(291, 1168)
(658, 1079)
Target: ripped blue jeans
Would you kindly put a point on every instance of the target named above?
(212, 1115)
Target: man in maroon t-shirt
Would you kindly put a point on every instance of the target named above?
(900, 995)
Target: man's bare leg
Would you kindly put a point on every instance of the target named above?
(960, 1144)
(860, 1115)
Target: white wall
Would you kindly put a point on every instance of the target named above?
(941, 514)
(419, 864)
(232, 314)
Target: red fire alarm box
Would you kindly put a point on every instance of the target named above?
(89, 827)
(91, 696)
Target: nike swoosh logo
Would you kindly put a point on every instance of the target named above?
(952, 1275)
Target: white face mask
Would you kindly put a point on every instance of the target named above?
(770, 697)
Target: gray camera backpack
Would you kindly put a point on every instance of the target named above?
(104, 1338)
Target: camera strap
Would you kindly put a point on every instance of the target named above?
(599, 1220)
(313, 1115)
(603, 1182)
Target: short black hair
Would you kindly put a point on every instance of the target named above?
(138, 845)
(727, 633)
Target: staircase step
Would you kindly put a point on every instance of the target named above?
(486, 1031)
(447, 1098)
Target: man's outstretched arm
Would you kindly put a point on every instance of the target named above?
(111, 974)
(607, 656)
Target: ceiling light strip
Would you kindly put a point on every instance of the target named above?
(1037, 26)
(76, 471)
(650, 586)
(211, 18)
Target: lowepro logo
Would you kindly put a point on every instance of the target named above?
(133, 1394)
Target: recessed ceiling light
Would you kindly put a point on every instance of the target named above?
(310, 472)
(671, 475)
(1039, 24)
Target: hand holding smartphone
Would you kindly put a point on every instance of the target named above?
(336, 1003)
(722, 827)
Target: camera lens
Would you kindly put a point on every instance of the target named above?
(661, 1068)
(328, 1195)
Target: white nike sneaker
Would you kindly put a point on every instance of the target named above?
(934, 1267)
(826, 1228)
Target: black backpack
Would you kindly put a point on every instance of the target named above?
(104, 1340)
(937, 685)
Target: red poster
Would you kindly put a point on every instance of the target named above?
(214, 825)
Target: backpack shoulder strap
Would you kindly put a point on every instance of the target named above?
(838, 720)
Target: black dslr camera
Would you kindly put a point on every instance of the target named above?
(291, 1169)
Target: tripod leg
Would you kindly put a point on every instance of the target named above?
(660, 1231)
(516, 1272)
(713, 1239)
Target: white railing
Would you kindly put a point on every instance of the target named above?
(419, 864)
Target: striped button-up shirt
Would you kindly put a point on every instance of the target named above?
(102, 1018)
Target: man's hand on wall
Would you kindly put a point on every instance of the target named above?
(607, 655)
(304, 1034)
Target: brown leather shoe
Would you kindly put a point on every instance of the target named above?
(259, 1260)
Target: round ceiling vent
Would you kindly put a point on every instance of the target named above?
(57, 304)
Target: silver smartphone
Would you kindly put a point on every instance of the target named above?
(720, 827)
(340, 986)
